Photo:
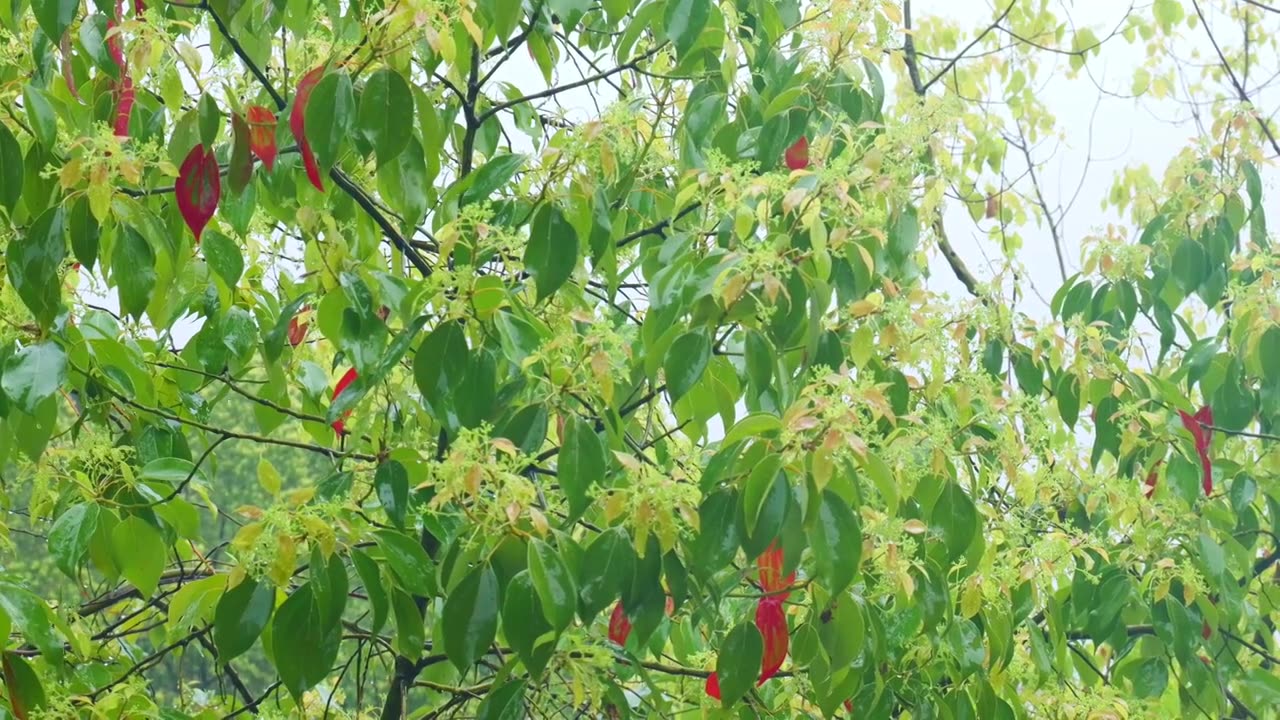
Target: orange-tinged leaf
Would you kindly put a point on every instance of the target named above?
(297, 123)
(770, 566)
(262, 134)
(198, 188)
(338, 425)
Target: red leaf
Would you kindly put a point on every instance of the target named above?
(262, 134)
(139, 7)
(619, 625)
(298, 330)
(297, 123)
(124, 106)
(848, 705)
(671, 605)
(713, 686)
(113, 45)
(772, 623)
(1195, 424)
(346, 380)
(1204, 416)
(1205, 632)
(770, 566)
(797, 156)
(198, 188)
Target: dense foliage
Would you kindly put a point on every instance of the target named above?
(344, 374)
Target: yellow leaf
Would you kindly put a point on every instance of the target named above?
(281, 569)
(246, 537)
(914, 526)
(268, 477)
(970, 600)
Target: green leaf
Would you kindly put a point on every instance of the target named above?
(553, 583)
(273, 343)
(34, 259)
(26, 694)
(69, 537)
(303, 648)
(718, 539)
(34, 374)
(836, 541)
(770, 511)
(757, 424)
(241, 616)
(11, 167)
(210, 120)
(141, 552)
(41, 116)
(329, 117)
(471, 617)
(404, 184)
(685, 362)
(955, 518)
(391, 481)
(607, 567)
(408, 560)
(525, 624)
(367, 569)
(32, 619)
(552, 251)
(738, 663)
(489, 177)
(581, 463)
(843, 632)
(375, 375)
(684, 21)
(386, 114)
(410, 632)
(85, 233)
(133, 264)
(1262, 685)
(527, 428)
(502, 16)
(223, 256)
(93, 36)
(439, 368)
(1234, 404)
(192, 603)
(1269, 355)
(757, 489)
(504, 702)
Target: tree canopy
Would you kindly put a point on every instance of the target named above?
(562, 358)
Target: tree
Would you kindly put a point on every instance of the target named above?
(344, 372)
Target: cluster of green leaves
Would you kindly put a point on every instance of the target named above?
(596, 365)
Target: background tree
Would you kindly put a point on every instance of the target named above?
(355, 365)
